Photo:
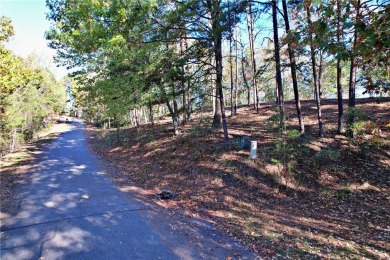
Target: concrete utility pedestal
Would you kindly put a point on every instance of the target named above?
(253, 149)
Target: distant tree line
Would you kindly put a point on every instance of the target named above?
(29, 95)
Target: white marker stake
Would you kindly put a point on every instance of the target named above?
(253, 149)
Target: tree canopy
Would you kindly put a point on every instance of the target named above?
(134, 54)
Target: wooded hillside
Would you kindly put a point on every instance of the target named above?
(301, 198)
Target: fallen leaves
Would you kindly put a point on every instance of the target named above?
(336, 207)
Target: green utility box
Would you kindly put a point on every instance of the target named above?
(241, 142)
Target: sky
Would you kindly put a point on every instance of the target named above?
(29, 20)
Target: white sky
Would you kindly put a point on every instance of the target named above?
(29, 20)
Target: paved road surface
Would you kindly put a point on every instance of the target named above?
(67, 208)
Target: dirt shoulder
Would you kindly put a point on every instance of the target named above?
(302, 197)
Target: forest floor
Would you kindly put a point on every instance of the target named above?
(302, 197)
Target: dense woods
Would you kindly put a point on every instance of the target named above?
(30, 96)
(159, 58)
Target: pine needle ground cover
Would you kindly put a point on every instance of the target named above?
(302, 197)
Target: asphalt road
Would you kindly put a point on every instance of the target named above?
(68, 208)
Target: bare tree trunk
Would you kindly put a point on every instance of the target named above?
(217, 120)
(164, 111)
(231, 72)
(173, 111)
(340, 118)
(250, 22)
(236, 87)
(175, 118)
(231, 64)
(13, 142)
(293, 70)
(189, 102)
(136, 117)
(145, 115)
(213, 97)
(151, 117)
(320, 69)
(352, 75)
(118, 136)
(215, 9)
(277, 63)
(184, 120)
(159, 112)
(218, 55)
(246, 81)
(217, 116)
(316, 84)
(182, 81)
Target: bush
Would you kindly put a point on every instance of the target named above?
(28, 135)
(273, 121)
(357, 120)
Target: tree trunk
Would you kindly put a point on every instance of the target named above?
(189, 101)
(313, 65)
(182, 83)
(352, 76)
(213, 97)
(217, 120)
(118, 136)
(184, 120)
(175, 118)
(231, 72)
(277, 64)
(293, 70)
(218, 55)
(250, 23)
(151, 117)
(340, 119)
(144, 114)
(217, 116)
(217, 31)
(320, 69)
(136, 117)
(13, 143)
(245, 81)
(173, 111)
(236, 87)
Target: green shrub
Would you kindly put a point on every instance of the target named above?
(28, 135)
(273, 121)
(357, 120)
(343, 193)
